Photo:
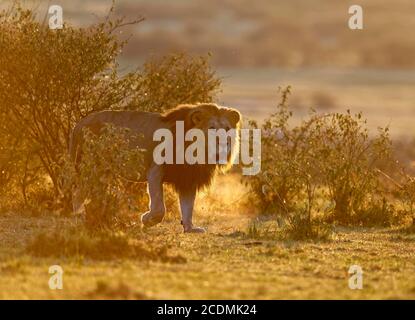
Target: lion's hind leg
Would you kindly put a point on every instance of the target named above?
(155, 189)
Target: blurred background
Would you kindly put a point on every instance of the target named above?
(258, 46)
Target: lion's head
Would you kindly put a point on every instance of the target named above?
(207, 117)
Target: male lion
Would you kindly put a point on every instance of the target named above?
(186, 178)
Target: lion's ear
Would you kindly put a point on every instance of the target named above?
(233, 115)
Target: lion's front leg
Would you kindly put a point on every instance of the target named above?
(155, 189)
(187, 200)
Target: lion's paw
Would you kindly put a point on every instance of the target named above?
(194, 230)
(150, 219)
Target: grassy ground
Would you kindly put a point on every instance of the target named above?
(222, 264)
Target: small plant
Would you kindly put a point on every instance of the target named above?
(255, 229)
(292, 227)
(299, 227)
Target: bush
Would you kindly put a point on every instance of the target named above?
(107, 166)
(328, 164)
(168, 81)
(287, 181)
(348, 162)
(50, 79)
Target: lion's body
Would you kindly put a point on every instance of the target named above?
(141, 124)
(186, 178)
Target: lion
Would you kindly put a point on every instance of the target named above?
(187, 179)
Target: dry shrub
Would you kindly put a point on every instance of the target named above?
(327, 165)
(49, 79)
(347, 161)
(107, 166)
(168, 81)
(80, 243)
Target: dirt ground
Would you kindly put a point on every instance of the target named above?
(222, 264)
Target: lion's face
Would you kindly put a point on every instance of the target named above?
(222, 121)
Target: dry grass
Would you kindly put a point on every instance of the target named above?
(221, 264)
(102, 246)
(121, 291)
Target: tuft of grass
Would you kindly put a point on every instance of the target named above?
(98, 246)
(13, 266)
(295, 228)
(300, 228)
